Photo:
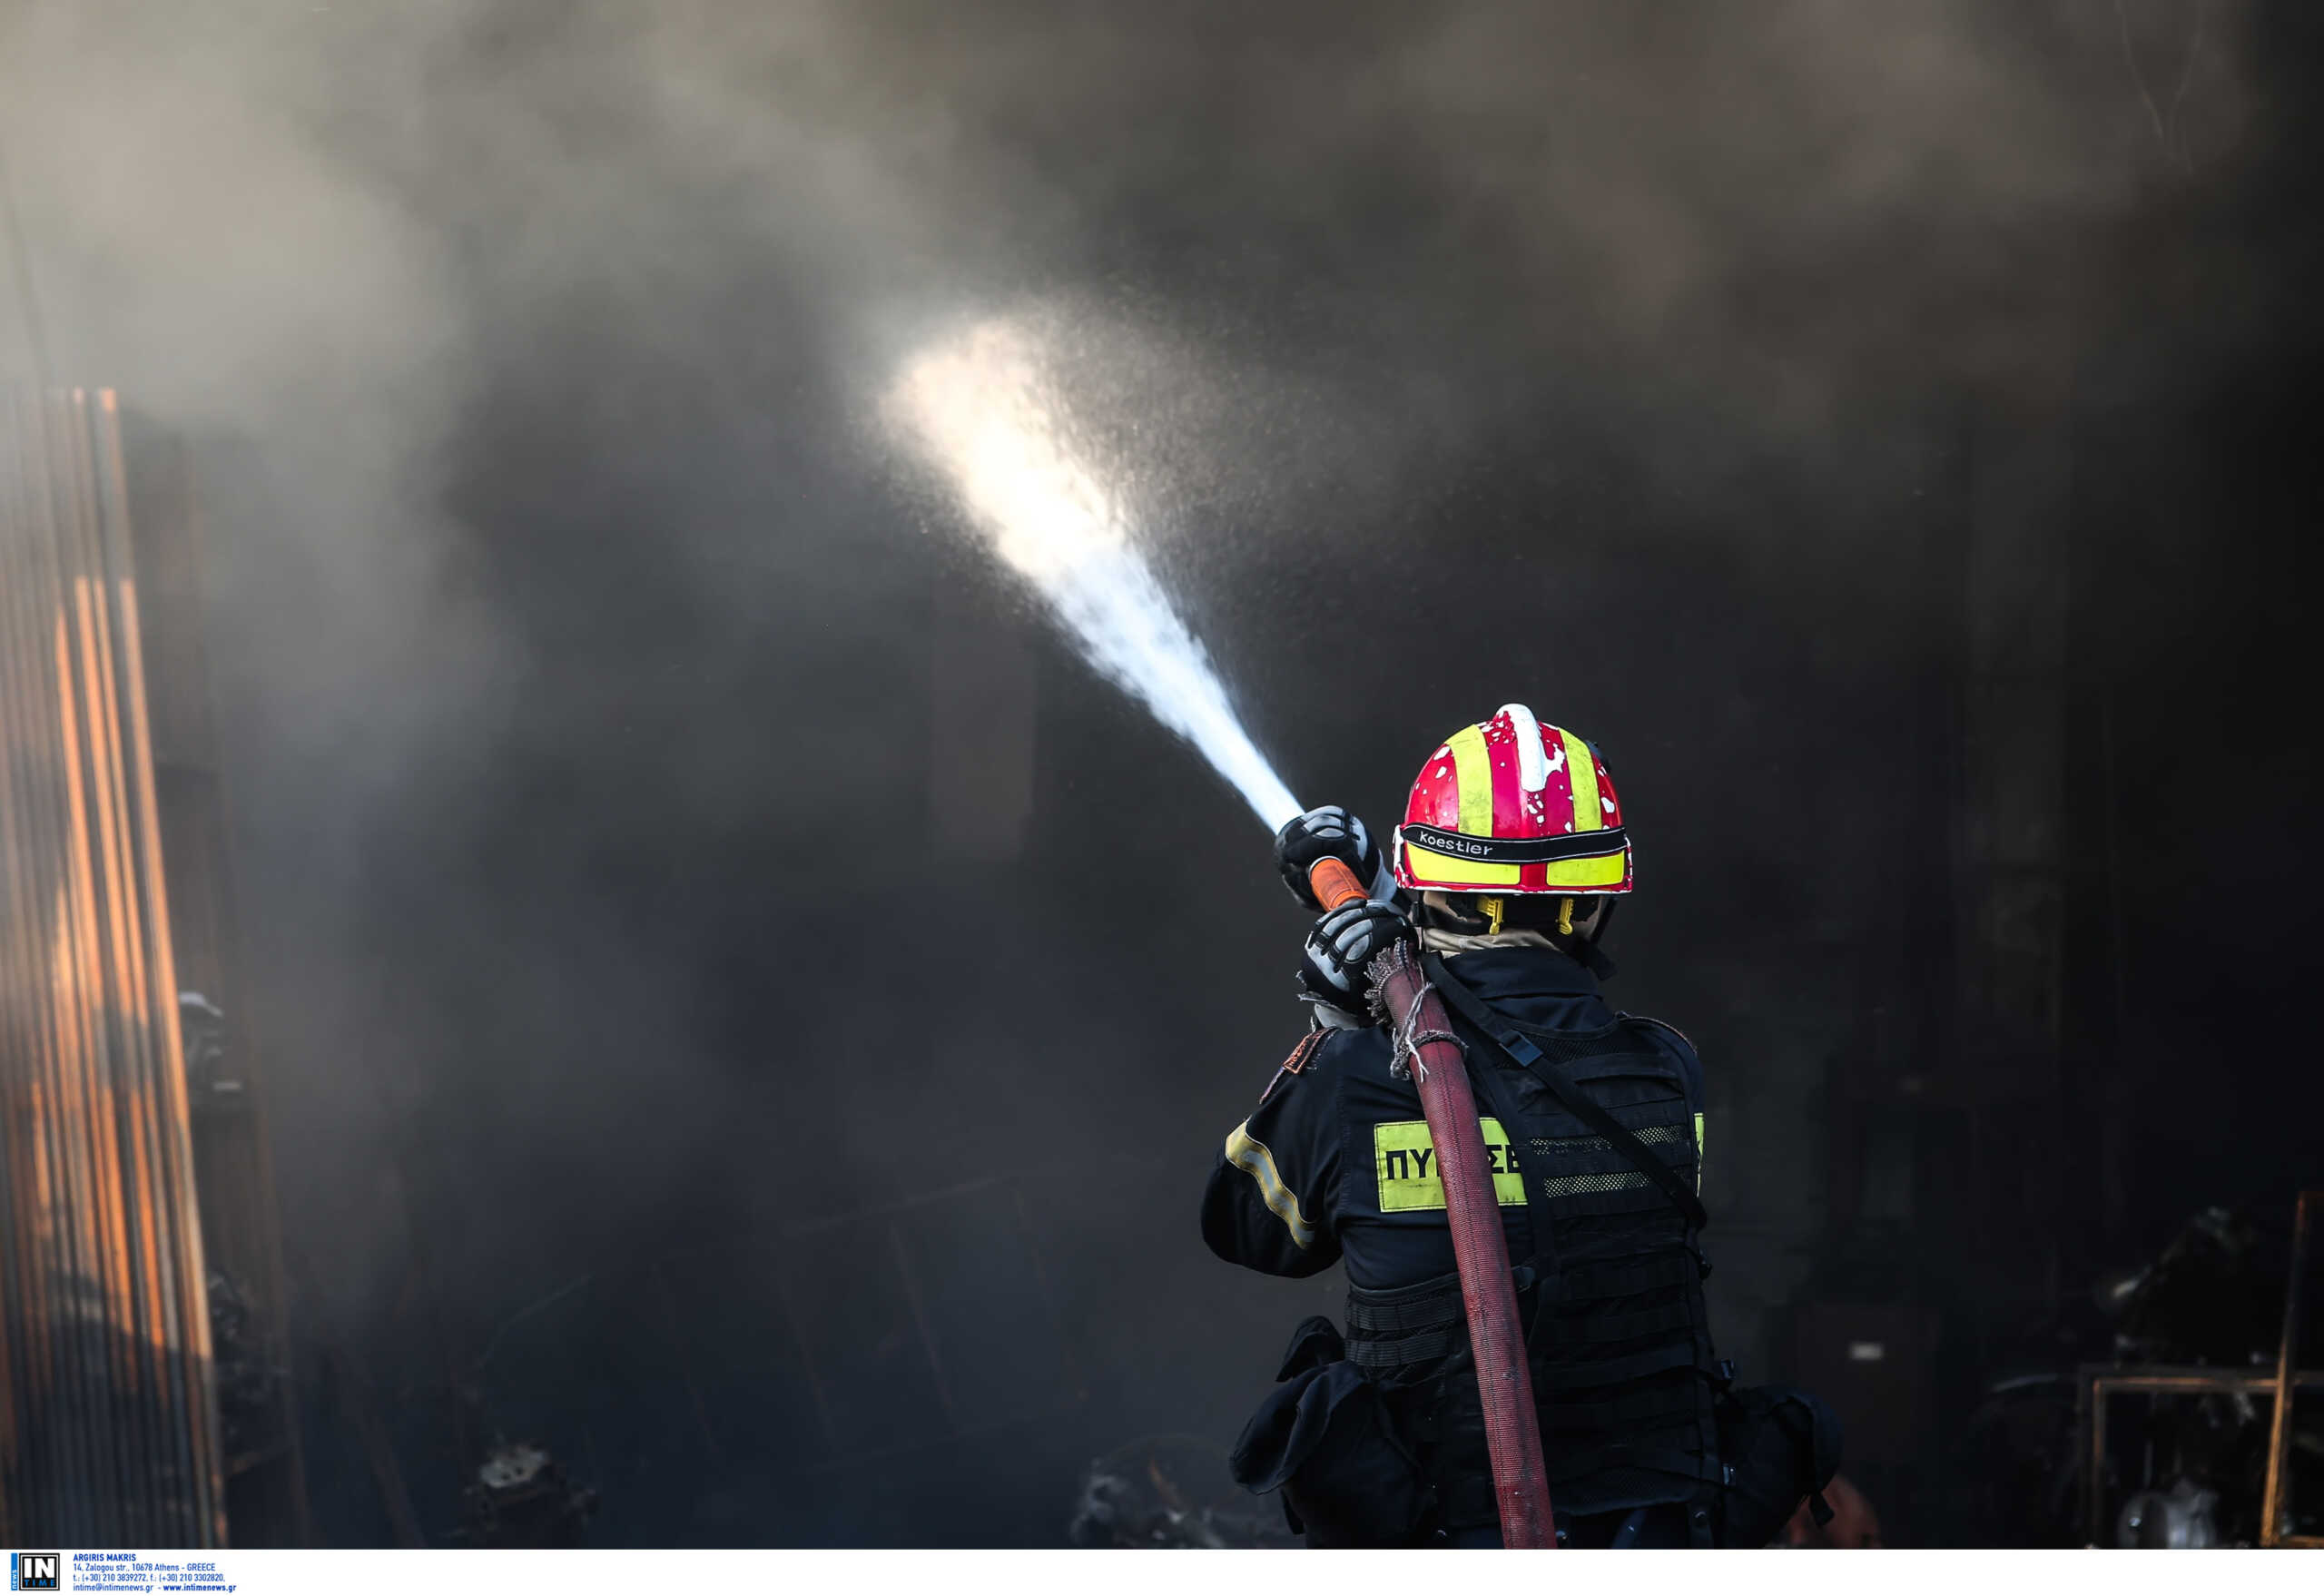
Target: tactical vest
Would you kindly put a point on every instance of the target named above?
(1617, 1336)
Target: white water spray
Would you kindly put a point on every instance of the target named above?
(979, 407)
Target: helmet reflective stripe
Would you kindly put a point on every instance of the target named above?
(1445, 870)
(1473, 765)
(1608, 871)
(1512, 779)
(1583, 766)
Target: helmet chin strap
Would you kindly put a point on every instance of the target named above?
(1582, 947)
(1584, 952)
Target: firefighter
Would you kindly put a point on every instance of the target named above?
(1505, 874)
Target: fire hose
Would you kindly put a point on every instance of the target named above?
(1472, 1210)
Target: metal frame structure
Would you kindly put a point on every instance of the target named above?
(109, 1431)
(2096, 1382)
(128, 1191)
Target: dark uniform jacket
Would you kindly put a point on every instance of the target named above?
(1335, 1164)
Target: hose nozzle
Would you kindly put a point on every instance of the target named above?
(1333, 884)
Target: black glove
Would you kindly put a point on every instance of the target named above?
(1340, 945)
(1329, 832)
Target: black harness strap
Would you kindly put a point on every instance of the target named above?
(1424, 1348)
(1481, 1014)
(1429, 1305)
(1541, 1265)
(1661, 1460)
(1624, 1279)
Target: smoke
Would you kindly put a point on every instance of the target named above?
(983, 407)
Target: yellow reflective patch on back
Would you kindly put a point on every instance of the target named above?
(1404, 1160)
(1604, 869)
(1698, 1155)
(1429, 865)
(1473, 768)
(1582, 771)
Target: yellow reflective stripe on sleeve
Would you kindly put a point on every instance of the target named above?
(1603, 870)
(1403, 1157)
(1582, 771)
(1429, 865)
(1698, 1155)
(1473, 768)
(1252, 1157)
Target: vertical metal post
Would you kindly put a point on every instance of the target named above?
(2272, 1507)
(2094, 1481)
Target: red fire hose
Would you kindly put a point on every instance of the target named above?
(1512, 1432)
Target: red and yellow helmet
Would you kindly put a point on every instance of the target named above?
(1513, 806)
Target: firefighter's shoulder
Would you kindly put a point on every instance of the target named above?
(1675, 1045)
(1318, 1053)
(1664, 1030)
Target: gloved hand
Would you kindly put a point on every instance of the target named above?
(1340, 945)
(1329, 832)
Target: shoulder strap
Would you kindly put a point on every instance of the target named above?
(1484, 1079)
(1576, 1102)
